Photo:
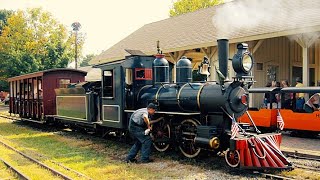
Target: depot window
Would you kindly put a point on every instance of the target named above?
(108, 87)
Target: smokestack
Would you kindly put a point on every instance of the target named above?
(223, 51)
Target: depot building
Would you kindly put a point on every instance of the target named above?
(282, 35)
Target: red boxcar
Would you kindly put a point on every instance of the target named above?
(32, 96)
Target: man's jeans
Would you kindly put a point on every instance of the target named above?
(142, 142)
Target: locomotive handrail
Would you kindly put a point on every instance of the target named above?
(163, 112)
(190, 85)
(204, 81)
(300, 90)
(257, 130)
(265, 90)
(285, 90)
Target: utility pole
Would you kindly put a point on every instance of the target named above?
(75, 27)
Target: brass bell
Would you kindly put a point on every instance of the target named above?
(204, 67)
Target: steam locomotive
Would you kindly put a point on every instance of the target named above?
(193, 115)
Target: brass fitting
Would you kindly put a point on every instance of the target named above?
(214, 143)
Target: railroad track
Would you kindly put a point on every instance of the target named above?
(280, 177)
(295, 155)
(307, 168)
(20, 175)
(12, 118)
(65, 167)
(53, 171)
(272, 176)
(298, 155)
(265, 175)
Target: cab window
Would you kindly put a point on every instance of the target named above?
(108, 90)
(63, 83)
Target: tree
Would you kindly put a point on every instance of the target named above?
(185, 6)
(33, 41)
(4, 15)
(85, 60)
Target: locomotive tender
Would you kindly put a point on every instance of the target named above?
(193, 115)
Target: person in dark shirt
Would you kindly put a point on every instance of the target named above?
(266, 100)
(270, 98)
(139, 128)
(287, 104)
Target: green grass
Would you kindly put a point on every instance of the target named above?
(302, 174)
(5, 172)
(99, 161)
(25, 165)
(103, 159)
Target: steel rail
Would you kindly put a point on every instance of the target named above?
(272, 176)
(54, 162)
(307, 167)
(65, 167)
(16, 171)
(9, 117)
(298, 155)
(304, 156)
(53, 171)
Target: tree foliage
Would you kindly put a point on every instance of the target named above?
(4, 14)
(32, 41)
(184, 6)
(85, 60)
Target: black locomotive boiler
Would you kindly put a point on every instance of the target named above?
(196, 113)
(194, 116)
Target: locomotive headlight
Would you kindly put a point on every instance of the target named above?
(242, 61)
(247, 62)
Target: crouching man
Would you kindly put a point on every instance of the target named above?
(139, 128)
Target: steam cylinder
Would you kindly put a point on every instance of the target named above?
(160, 70)
(184, 70)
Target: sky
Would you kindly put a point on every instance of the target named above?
(103, 22)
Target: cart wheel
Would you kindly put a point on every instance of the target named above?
(232, 158)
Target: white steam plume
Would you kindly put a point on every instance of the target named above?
(252, 15)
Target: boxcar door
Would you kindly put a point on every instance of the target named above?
(112, 96)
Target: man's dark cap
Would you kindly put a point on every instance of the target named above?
(152, 106)
(298, 79)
